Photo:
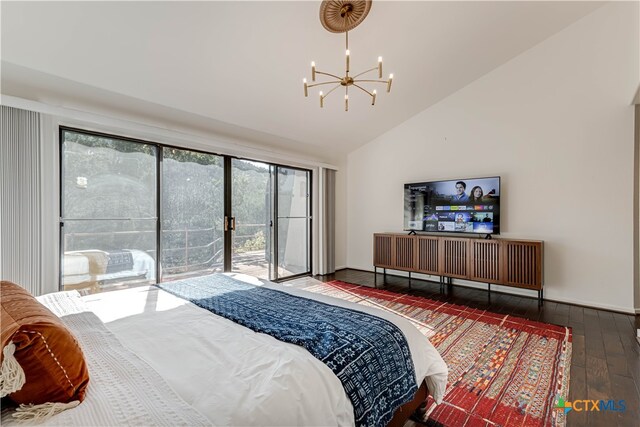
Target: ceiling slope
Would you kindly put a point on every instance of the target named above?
(241, 64)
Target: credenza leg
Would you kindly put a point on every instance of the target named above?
(409, 280)
(384, 276)
(375, 277)
(540, 298)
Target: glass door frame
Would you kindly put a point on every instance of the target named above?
(276, 262)
(230, 218)
(158, 217)
(227, 209)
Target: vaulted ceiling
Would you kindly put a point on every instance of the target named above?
(241, 64)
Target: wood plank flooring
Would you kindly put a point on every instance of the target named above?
(605, 362)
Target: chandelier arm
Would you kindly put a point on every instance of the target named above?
(334, 88)
(328, 74)
(372, 81)
(365, 72)
(323, 83)
(363, 89)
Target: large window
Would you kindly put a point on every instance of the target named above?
(135, 213)
(294, 221)
(109, 218)
(192, 213)
(251, 218)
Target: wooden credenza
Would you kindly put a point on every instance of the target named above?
(506, 262)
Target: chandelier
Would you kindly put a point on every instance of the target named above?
(341, 16)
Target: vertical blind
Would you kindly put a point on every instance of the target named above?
(20, 210)
(329, 219)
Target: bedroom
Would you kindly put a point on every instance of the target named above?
(540, 94)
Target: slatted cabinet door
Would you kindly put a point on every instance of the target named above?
(485, 261)
(506, 262)
(383, 250)
(428, 255)
(454, 257)
(523, 264)
(405, 255)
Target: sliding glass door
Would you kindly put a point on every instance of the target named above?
(108, 212)
(251, 218)
(293, 222)
(192, 203)
(136, 213)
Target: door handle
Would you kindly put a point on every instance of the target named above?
(229, 225)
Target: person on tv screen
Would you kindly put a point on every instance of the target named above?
(459, 218)
(476, 194)
(460, 195)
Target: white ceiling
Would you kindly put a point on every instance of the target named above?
(242, 63)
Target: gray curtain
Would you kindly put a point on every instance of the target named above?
(20, 195)
(329, 222)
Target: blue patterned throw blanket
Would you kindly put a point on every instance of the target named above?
(368, 354)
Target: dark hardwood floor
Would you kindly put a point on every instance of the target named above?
(605, 363)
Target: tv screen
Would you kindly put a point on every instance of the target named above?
(457, 206)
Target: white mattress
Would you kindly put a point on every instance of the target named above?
(234, 376)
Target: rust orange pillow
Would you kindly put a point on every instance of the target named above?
(52, 360)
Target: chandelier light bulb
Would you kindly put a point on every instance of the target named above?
(313, 71)
(389, 82)
(347, 61)
(373, 97)
(379, 67)
(306, 91)
(321, 100)
(346, 103)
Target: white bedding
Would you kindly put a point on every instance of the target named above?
(226, 372)
(123, 389)
(235, 376)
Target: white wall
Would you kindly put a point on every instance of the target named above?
(557, 124)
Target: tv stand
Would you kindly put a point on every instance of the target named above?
(505, 262)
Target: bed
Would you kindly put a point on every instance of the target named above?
(212, 369)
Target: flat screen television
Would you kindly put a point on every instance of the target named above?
(456, 206)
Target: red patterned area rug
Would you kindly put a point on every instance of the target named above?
(503, 370)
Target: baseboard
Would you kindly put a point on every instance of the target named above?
(512, 291)
(588, 304)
